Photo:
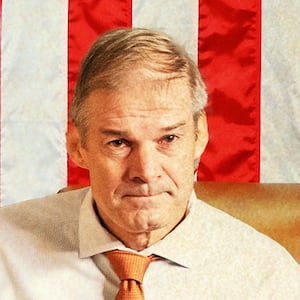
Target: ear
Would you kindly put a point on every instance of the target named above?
(202, 136)
(75, 148)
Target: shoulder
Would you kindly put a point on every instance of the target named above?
(57, 205)
(236, 247)
(240, 254)
(228, 231)
(39, 244)
(43, 218)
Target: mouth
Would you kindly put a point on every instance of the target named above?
(145, 191)
(150, 195)
(144, 201)
(146, 197)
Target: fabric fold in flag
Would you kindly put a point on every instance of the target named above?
(247, 52)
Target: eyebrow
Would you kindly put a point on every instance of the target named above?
(114, 132)
(175, 126)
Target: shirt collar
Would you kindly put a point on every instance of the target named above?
(175, 247)
(93, 237)
(178, 246)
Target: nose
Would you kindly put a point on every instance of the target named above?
(144, 164)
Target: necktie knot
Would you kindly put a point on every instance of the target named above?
(130, 268)
(128, 265)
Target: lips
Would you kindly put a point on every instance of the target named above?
(143, 195)
(144, 190)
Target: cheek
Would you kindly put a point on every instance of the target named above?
(182, 173)
(183, 162)
(105, 176)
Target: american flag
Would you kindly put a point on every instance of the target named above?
(247, 52)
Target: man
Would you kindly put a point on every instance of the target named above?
(140, 128)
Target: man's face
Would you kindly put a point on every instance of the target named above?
(140, 151)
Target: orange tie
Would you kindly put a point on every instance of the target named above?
(130, 268)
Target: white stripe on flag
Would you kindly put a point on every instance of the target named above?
(280, 101)
(34, 98)
(179, 19)
(34, 88)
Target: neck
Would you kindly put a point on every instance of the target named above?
(138, 240)
(143, 240)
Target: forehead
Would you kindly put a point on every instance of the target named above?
(141, 93)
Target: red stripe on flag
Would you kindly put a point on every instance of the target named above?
(88, 19)
(230, 59)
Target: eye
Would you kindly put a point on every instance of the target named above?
(119, 143)
(169, 138)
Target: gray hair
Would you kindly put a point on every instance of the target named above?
(118, 51)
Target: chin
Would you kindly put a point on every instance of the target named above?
(147, 225)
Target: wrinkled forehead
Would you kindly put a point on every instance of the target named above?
(142, 90)
(149, 80)
(128, 74)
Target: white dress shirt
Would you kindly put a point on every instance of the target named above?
(52, 248)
